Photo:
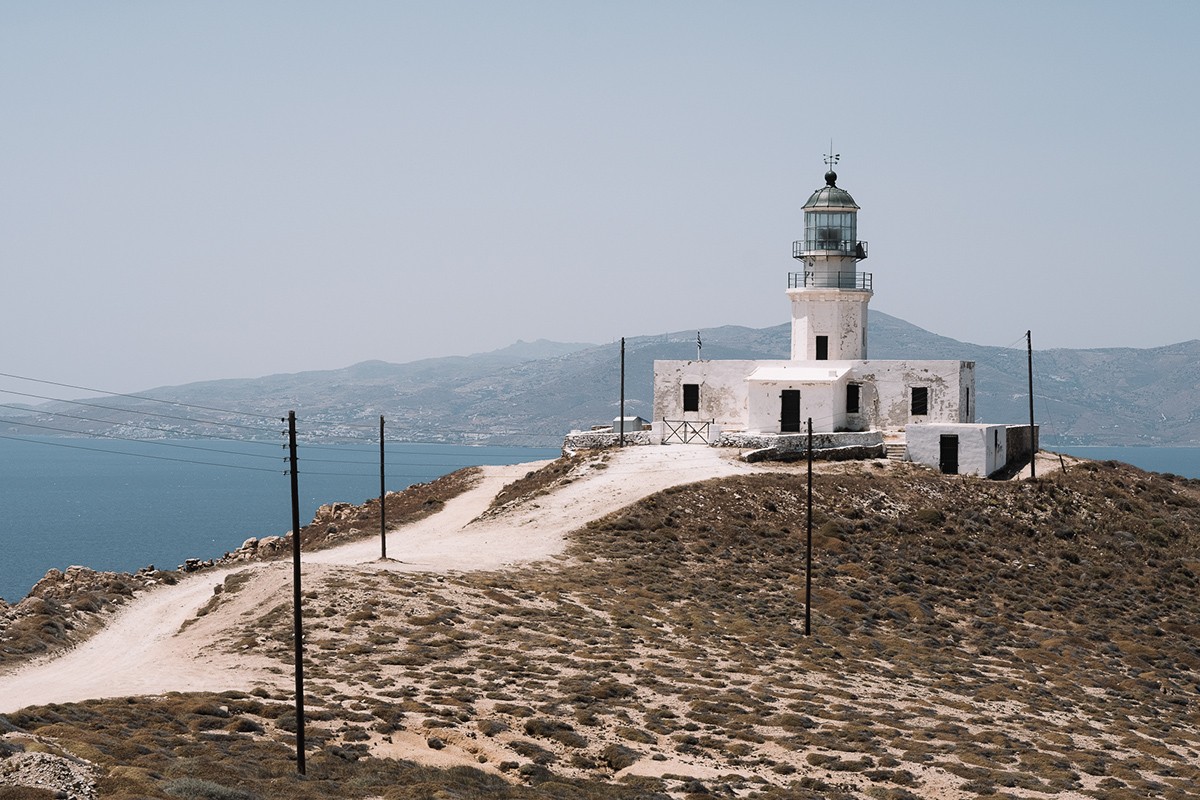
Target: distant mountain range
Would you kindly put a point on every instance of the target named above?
(531, 393)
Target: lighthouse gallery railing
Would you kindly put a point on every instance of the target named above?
(813, 279)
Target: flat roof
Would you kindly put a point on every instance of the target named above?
(805, 374)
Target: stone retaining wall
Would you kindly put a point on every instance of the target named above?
(762, 446)
(794, 446)
(600, 440)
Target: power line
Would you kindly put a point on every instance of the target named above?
(216, 423)
(314, 432)
(140, 413)
(134, 396)
(136, 455)
(171, 433)
(465, 462)
(157, 442)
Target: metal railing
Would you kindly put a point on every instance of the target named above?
(845, 247)
(814, 279)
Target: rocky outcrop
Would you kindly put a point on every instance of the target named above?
(64, 606)
(68, 778)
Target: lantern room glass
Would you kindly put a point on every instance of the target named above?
(830, 230)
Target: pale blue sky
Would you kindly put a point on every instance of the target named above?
(205, 190)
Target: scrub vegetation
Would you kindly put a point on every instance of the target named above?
(970, 639)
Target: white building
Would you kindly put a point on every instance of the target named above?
(853, 401)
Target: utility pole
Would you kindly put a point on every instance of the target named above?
(297, 627)
(382, 498)
(808, 549)
(1032, 433)
(622, 391)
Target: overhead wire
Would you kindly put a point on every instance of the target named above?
(136, 455)
(132, 411)
(135, 396)
(305, 435)
(168, 433)
(158, 442)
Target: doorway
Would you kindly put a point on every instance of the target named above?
(948, 455)
(789, 411)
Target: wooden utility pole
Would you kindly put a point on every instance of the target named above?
(1032, 434)
(297, 626)
(622, 391)
(382, 498)
(808, 548)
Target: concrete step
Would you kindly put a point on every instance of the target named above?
(896, 451)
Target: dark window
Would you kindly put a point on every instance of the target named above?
(920, 401)
(852, 391)
(822, 348)
(691, 397)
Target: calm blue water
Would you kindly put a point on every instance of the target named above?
(1183, 461)
(120, 505)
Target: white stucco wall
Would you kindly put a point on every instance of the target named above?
(730, 398)
(840, 315)
(982, 449)
(724, 391)
(822, 395)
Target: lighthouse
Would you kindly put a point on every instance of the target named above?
(829, 295)
(851, 401)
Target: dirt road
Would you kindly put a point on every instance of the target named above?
(144, 651)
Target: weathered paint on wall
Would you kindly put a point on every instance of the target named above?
(723, 390)
(890, 385)
(729, 397)
(837, 314)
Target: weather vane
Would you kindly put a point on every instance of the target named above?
(831, 158)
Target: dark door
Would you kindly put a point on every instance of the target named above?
(948, 458)
(789, 413)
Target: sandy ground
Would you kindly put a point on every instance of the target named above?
(143, 651)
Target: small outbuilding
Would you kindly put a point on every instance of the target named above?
(962, 449)
(631, 424)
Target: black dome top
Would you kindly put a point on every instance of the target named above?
(830, 196)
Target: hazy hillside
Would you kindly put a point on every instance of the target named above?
(533, 393)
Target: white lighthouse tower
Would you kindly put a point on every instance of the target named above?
(853, 403)
(830, 296)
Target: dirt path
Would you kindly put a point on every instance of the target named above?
(142, 651)
(137, 653)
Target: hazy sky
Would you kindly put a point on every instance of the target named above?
(204, 190)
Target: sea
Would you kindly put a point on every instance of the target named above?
(1183, 461)
(122, 505)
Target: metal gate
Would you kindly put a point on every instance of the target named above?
(684, 432)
